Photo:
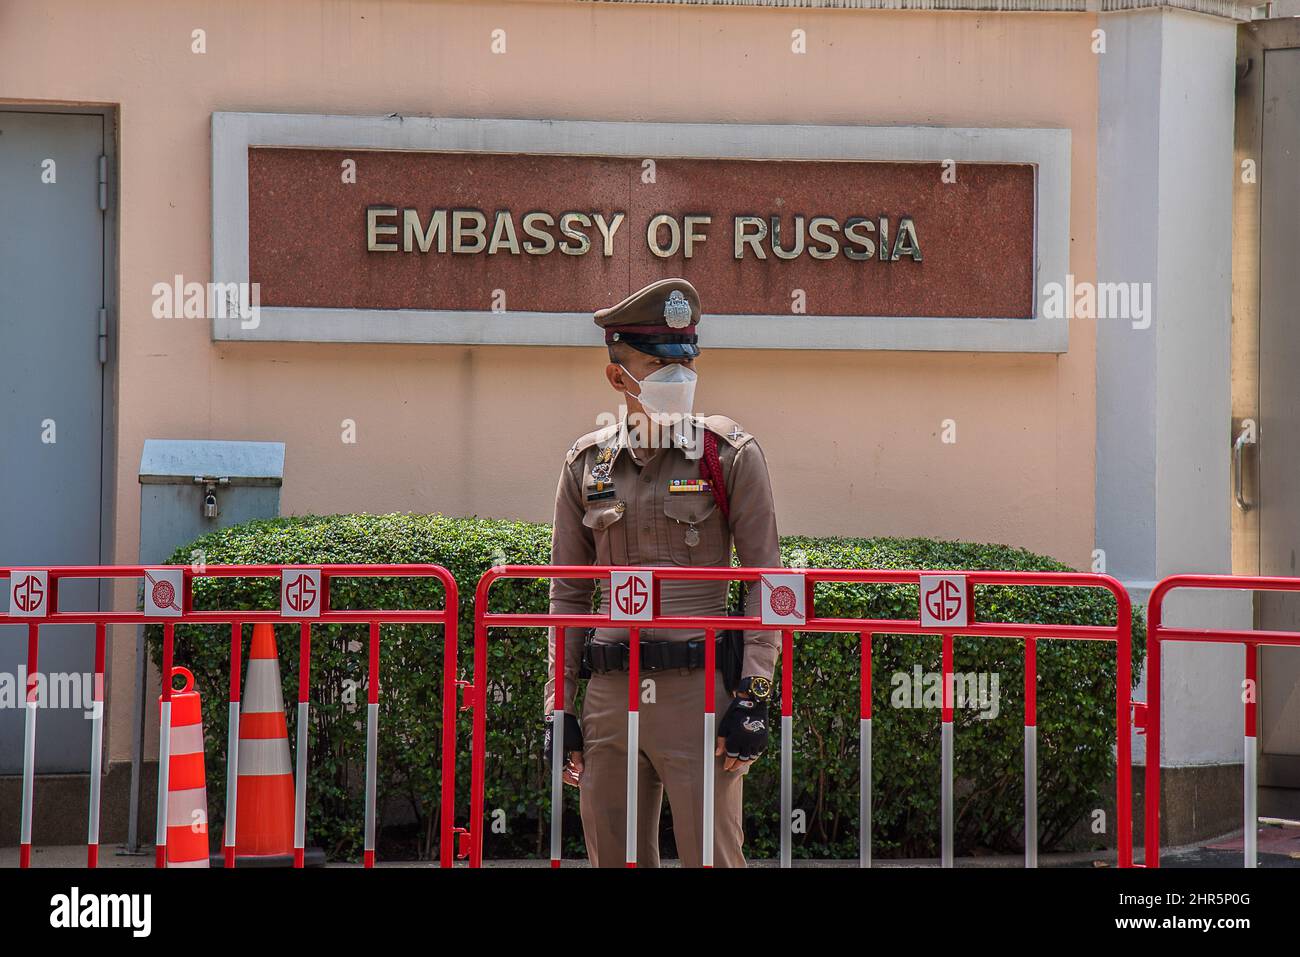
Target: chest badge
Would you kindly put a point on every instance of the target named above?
(690, 485)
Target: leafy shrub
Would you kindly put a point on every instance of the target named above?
(1076, 693)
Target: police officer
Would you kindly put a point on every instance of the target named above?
(662, 486)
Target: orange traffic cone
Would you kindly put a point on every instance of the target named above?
(187, 793)
(264, 805)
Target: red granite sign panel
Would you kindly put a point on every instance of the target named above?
(462, 231)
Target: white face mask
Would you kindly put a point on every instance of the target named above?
(666, 394)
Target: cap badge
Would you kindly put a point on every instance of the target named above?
(677, 311)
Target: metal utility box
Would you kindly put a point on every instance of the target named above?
(188, 487)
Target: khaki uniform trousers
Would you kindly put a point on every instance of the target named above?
(671, 733)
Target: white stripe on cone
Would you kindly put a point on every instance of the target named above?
(264, 756)
(262, 687)
(181, 806)
(187, 739)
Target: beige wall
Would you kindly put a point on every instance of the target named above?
(853, 438)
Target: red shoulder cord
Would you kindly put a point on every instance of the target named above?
(711, 469)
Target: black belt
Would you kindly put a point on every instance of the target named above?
(603, 658)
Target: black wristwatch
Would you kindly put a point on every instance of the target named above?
(756, 688)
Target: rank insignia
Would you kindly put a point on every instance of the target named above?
(690, 485)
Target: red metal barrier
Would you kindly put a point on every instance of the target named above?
(1149, 711)
(305, 600)
(942, 594)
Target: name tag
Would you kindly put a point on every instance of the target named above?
(690, 485)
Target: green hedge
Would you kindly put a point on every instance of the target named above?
(1075, 700)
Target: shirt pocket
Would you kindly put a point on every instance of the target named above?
(605, 519)
(684, 511)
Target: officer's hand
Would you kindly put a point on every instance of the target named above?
(742, 736)
(730, 764)
(572, 770)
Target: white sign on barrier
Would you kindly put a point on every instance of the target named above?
(944, 601)
(630, 596)
(164, 589)
(300, 593)
(784, 599)
(29, 593)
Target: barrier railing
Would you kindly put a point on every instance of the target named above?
(1149, 711)
(304, 600)
(788, 604)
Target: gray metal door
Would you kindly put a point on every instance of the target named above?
(1279, 406)
(51, 405)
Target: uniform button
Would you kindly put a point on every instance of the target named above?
(645, 478)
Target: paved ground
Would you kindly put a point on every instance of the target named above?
(1279, 846)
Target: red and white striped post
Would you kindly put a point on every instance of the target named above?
(29, 746)
(164, 747)
(372, 744)
(96, 750)
(633, 735)
(1250, 824)
(558, 752)
(1031, 752)
(787, 745)
(945, 744)
(300, 777)
(864, 752)
(232, 743)
(710, 745)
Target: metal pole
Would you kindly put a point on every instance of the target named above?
(557, 747)
(1151, 815)
(232, 744)
(1031, 752)
(945, 784)
(137, 746)
(787, 747)
(1031, 796)
(372, 746)
(300, 784)
(710, 745)
(1250, 826)
(29, 747)
(557, 772)
(633, 736)
(164, 748)
(96, 750)
(864, 753)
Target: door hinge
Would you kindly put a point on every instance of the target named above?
(103, 336)
(103, 183)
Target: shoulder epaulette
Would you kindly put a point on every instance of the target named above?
(595, 437)
(726, 427)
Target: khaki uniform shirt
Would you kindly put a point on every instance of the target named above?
(643, 523)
